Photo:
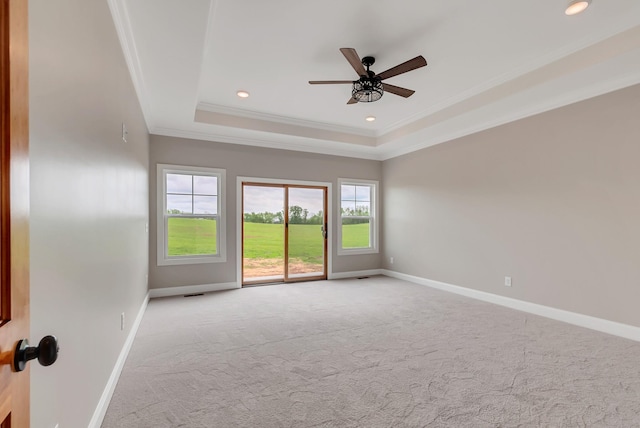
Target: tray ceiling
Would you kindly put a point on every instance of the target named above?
(489, 63)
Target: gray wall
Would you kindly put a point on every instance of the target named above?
(248, 161)
(552, 200)
(89, 205)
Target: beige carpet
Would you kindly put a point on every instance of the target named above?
(375, 352)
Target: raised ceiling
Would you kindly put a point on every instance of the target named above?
(490, 62)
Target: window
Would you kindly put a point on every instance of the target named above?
(358, 229)
(190, 215)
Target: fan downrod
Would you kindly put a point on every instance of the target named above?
(368, 61)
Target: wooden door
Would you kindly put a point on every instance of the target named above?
(14, 209)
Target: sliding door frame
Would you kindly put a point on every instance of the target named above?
(325, 196)
(241, 222)
(277, 182)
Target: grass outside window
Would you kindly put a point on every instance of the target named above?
(188, 236)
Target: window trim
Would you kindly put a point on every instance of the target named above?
(374, 224)
(221, 242)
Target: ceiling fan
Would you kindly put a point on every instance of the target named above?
(369, 87)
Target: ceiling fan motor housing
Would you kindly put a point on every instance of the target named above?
(368, 61)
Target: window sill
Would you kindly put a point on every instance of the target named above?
(356, 251)
(191, 260)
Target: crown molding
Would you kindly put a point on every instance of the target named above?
(581, 94)
(120, 15)
(206, 47)
(416, 141)
(248, 114)
(309, 146)
(553, 56)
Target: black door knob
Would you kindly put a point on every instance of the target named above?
(46, 352)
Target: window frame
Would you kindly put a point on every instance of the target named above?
(163, 259)
(373, 217)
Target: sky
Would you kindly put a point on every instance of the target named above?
(197, 194)
(193, 194)
(259, 199)
(352, 196)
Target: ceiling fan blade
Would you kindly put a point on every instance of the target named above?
(397, 90)
(412, 64)
(352, 56)
(329, 82)
(352, 101)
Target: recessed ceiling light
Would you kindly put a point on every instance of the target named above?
(242, 94)
(577, 6)
(370, 118)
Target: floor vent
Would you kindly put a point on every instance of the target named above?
(363, 277)
(194, 294)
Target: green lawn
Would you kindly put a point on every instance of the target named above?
(188, 236)
(266, 241)
(262, 241)
(355, 235)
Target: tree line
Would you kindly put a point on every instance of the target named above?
(297, 215)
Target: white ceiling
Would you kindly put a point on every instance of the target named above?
(490, 62)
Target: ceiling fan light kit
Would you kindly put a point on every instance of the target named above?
(576, 6)
(367, 90)
(369, 87)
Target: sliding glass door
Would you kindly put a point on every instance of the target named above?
(284, 235)
(305, 233)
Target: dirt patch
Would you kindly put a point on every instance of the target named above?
(254, 268)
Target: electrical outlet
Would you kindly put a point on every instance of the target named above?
(391, 260)
(124, 132)
(507, 281)
(146, 227)
(122, 321)
(146, 278)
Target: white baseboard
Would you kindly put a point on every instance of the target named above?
(354, 274)
(191, 289)
(103, 404)
(593, 323)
